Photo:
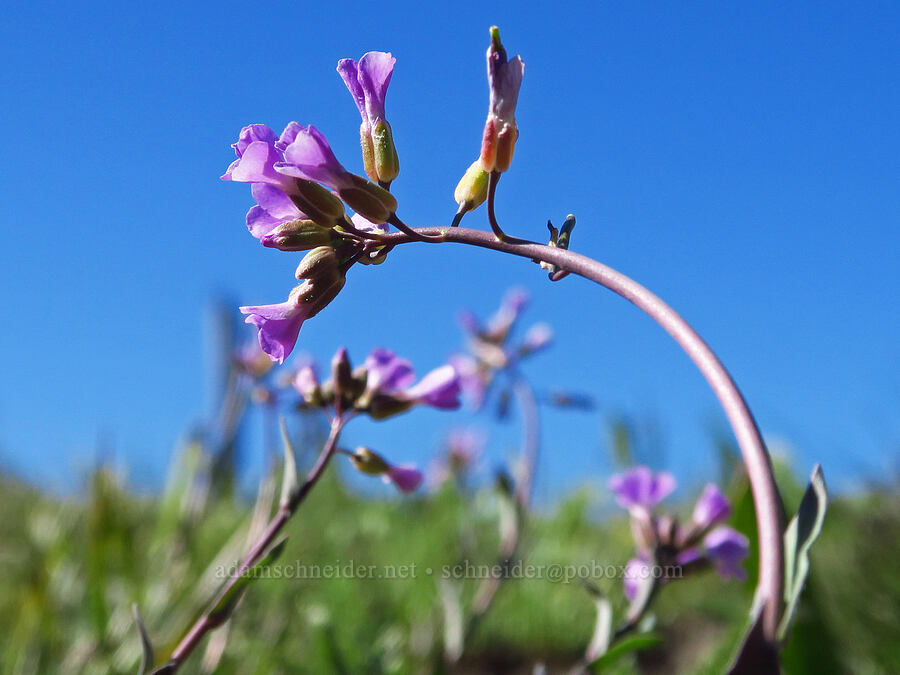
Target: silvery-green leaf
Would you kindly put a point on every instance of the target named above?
(289, 483)
(799, 536)
(146, 645)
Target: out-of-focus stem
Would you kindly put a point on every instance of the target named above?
(531, 442)
(205, 624)
(766, 500)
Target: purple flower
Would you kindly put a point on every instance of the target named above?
(306, 381)
(309, 156)
(539, 336)
(711, 509)
(500, 131)
(404, 478)
(726, 549)
(274, 208)
(473, 381)
(279, 324)
(368, 81)
(638, 489)
(514, 303)
(386, 372)
(258, 151)
(440, 389)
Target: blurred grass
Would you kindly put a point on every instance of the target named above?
(71, 569)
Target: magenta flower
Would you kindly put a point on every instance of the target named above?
(279, 324)
(726, 549)
(711, 509)
(638, 489)
(404, 478)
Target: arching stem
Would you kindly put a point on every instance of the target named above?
(767, 504)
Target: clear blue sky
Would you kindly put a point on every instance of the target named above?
(743, 161)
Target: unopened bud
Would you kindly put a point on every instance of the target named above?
(383, 406)
(369, 200)
(318, 203)
(471, 191)
(319, 292)
(322, 262)
(387, 164)
(341, 373)
(297, 235)
(368, 462)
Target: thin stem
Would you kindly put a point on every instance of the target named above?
(407, 230)
(759, 467)
(531, 440)
(493, 179)
(205, 624)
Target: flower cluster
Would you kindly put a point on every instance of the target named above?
(491, 349)
(663, 541)
(301, 190)
(382, 387)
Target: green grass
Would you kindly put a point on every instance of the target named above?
(73, 567)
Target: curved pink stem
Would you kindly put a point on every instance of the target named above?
(766, 500)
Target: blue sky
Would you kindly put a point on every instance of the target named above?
(743, 161)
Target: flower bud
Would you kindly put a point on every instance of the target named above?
(383, 406)
(369, 200)
(297, 235)
(320, 263)
(341, 373)
(318, 203)
(471, 191)
(387, 164)
(500, 130)
(368, 462)
(317, 294)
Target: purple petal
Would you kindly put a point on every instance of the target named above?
(251, 133)
(306, 381)
(712, 508)
(405, 478)
(726, 548)
(278, 325)
(471, 380)
(386, 372)
(367, 225)
(257, 165)
(440, 388)
(374, 75)
(309, 156)
(348, 69)
(638, 487)
(504, 81)
(288, 135)
(538, 337)
(274, 208)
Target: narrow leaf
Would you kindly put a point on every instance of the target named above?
(799, 536)
(146, 645)
(623, 648)
(289, 483)
(229, 599)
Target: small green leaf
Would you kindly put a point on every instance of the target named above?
(799, 536)
(623, 648)
(146, 645)
(226, 603)
(289, 483)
